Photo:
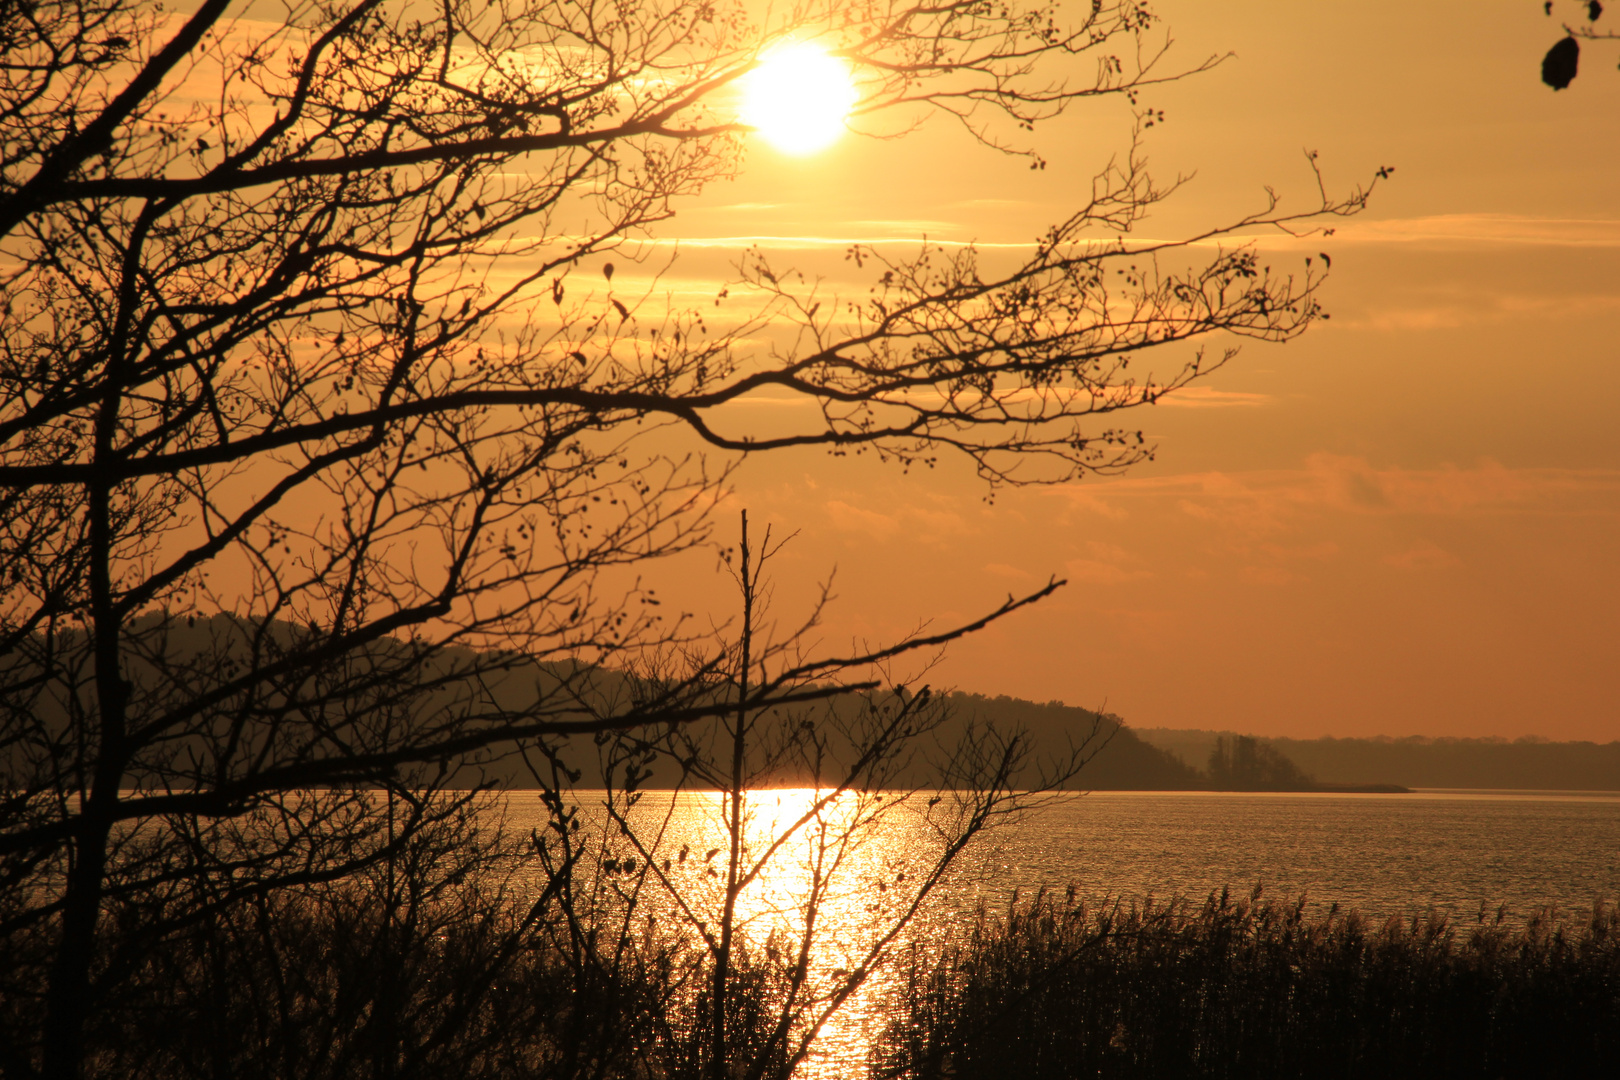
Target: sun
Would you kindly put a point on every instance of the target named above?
(797, 98)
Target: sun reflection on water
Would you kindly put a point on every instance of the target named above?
(827, 882)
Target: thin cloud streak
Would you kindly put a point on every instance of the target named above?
(1437, 232)
(1261, 498)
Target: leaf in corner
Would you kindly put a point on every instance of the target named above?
(1558, 66)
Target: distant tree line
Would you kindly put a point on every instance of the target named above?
(1418, 761)
(1244, 763)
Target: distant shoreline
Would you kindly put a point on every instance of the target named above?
(1421, 763)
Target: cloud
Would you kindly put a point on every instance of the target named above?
(1105, 564)
(1002, 570)
(847, 518)
(1262, 501)
(1448, 231)
(1091, 500)
(1425, 556)
(1472, 229)
(745, 207)
(982, 204)
(920, 524)
(1350, 483)
(1270, 575)
(917, 228)
(799, 242)
(1207, 397)
(1093, 572)
(1480, 306)
(1319, 552)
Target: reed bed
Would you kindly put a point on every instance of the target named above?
(360, 979)
(1056, 987)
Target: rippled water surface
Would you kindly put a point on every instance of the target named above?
(1383, 855)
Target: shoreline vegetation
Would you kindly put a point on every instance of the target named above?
(441, 964)
(1056, 987)
(1524, 764)
(1129, 758)
(1161, 759)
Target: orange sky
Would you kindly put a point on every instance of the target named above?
(1403, 523)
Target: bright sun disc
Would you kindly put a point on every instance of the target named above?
(797, 98)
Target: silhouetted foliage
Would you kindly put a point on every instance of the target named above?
(1423, 762)
(445, 959)
(797, 901)
(1562, 62)
(322, 418)
(1123, 762)
(1244, 763)
(1235, 988)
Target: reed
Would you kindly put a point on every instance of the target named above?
(450, 960)
(1060, 987)
(414, 971)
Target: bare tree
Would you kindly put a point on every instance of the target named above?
(314, 440)
(790, 858)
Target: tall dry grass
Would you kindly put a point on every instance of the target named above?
(1250, 988)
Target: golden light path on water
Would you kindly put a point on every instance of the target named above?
(833, 884)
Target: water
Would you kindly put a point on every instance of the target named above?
(1382, 855)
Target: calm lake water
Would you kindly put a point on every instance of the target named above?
(1383, 855)
(1380, 854)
